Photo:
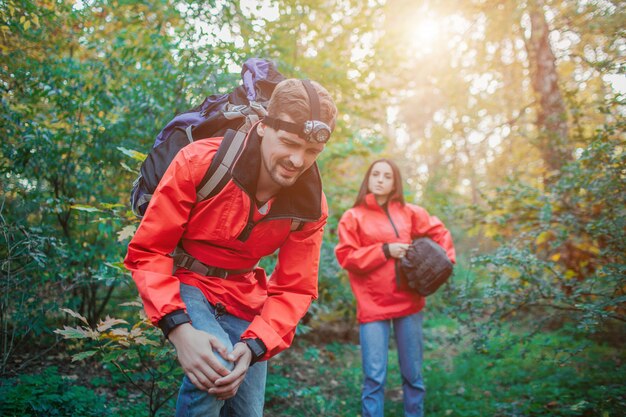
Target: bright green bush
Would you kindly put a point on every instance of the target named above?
(49, 394)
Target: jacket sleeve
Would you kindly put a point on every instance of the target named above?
(423, 224)
(157, 236)
(351, 254)
(291, 288)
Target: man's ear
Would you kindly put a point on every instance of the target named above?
(260, 129)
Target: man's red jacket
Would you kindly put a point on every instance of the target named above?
(362, 232)
(213, 232)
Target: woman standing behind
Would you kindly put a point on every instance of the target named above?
(373, 234)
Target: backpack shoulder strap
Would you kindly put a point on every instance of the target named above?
(218, 173)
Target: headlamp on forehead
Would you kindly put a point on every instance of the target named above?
(313, 130)
(316, 131)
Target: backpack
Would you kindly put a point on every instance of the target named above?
(230, 115)
(424, 268)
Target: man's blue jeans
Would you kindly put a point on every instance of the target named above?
(250, 397)
(374, 338)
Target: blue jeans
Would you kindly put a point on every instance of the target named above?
(250, 396)
(374, 338)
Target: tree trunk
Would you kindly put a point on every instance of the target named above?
(551, 114)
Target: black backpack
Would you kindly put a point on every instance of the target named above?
(230, 115)
(424, 268)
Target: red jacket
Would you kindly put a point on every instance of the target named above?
(362, 232)
(213, 232)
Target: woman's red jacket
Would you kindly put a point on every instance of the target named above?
(362, 232)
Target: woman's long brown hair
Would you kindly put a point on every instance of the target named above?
(396, 192)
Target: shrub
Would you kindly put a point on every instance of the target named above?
(49, 394)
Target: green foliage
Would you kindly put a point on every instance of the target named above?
(49, 394)
(64, 109)
(335, 300)
(24, 255)
(136, 355)
(562, 251)
(85, 87)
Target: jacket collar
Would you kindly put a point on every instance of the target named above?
(371, 203)
(302, 200)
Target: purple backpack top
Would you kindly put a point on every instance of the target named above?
(237, 110)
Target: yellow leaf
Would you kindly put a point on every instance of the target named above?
(513, 273)
(555, 257)
(491, 231)
(27, 25)
(101, 114)
(543, 237)
(36, 20)
(60, 125)
(22, 19)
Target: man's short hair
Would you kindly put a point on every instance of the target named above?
(290, 98)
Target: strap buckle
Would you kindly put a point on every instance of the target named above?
(214, 271)
(184, 261)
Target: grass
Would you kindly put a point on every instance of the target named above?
(549, 374)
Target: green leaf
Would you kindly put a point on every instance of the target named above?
(83, 355)
(108, 206)
(73, 332)
(117, 265)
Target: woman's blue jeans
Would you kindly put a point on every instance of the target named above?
(250, 397)
(374, 338)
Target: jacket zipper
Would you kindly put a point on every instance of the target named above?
(396, 263)
(386, 209)
(245, 233)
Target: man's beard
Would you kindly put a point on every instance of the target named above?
(282, 181)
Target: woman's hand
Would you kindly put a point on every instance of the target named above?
(397, 250)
